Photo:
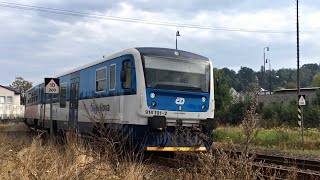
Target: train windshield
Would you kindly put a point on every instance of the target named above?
(177, 74)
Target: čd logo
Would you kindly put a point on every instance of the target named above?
(180, 100)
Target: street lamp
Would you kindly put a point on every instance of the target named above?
(177, 34)
(264, 65)
(270, 82)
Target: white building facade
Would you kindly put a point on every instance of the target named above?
(10, 107)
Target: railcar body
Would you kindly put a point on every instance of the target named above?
(163, 98)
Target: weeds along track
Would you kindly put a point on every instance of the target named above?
(303, 164)
(268, 166)
(283, 172)
(305, 169)
(218, 163)
(172, 160)
(281, 165)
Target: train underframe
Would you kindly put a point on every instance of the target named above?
(155, 136)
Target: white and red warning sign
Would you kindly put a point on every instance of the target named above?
(302, 100)
(51, 85)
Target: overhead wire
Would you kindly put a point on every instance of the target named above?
(130, 20)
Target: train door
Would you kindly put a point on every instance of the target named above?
(73, 110)
(127, 87)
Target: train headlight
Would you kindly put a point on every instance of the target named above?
(152, 95)
(153, 103)
(203, 99)
(203, 106)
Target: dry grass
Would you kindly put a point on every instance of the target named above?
(24, 157)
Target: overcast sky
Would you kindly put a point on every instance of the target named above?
(36, 44)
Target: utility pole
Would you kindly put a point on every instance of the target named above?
(270, 80)
(264, 68)
(298, 52)
(298, 79)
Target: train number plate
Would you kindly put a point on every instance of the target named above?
(155, 112)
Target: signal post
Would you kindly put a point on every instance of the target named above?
(52, 87)
(302, 103)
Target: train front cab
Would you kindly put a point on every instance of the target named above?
(179, 101)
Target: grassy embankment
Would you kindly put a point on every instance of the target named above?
(27, 156)
(284, 139)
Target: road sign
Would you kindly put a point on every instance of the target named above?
(302, 100)
(51, 85)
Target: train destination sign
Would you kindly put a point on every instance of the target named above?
(51, 85)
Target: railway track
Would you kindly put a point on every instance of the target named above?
(275, 166)
(303, 164)
(303, 168)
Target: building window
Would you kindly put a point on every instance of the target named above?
(2, 99)
(101, 79)
(126, 67)
(9, 99)
(63, 95)
(112, 82)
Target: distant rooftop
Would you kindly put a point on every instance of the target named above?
(294, 90)
(10, 89)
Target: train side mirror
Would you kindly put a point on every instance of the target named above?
(123, 76)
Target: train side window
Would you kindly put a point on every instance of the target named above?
(101, 79)
(28, 98)
(112, 82)
(126, 74)
(63, 95)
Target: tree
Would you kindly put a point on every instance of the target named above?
(247, 77)
(21, 86)
(223, 97)
(308, 71)
(316, 80)
(291, 85)
(230, 77)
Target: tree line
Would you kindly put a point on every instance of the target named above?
(231, 110)
(286, 78)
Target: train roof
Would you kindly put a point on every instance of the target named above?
(169, 53)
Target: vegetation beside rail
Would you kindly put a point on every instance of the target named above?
(27, 156)
(284, 139)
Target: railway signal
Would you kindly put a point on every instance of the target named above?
(302, 103)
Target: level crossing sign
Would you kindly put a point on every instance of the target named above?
(52, 85)
(302, 100)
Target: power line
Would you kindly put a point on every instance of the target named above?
(130, 20)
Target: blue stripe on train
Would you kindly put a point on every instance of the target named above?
(167, 100)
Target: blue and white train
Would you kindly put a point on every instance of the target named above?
(153, 93)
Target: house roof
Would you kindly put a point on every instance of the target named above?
(10, 89)
(294, 90)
